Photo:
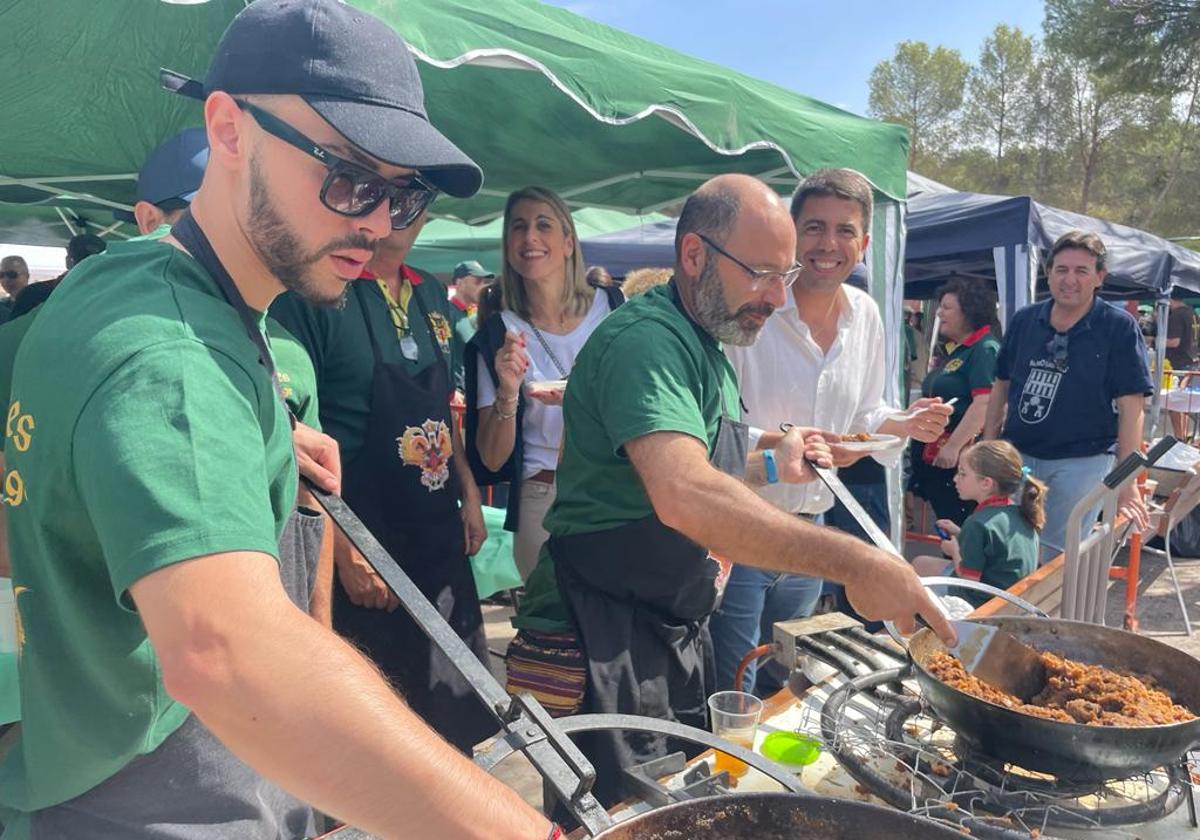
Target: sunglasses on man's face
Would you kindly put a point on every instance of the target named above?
(1057, 348)
(10, 275)
(350, 189)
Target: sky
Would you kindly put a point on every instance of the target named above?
(824, 50)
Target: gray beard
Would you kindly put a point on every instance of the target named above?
(277, 245)
(712, 310)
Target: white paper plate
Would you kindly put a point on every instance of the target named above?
(877, 443)
(548, 385)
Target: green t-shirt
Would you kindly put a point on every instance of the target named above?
(647, 368)
(968, 372)
(999, 543)
(11, 334)
(297, 378)
(338, 345)
(142, 431)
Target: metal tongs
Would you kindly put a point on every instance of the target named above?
(994, 656)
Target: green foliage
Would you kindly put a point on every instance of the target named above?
(922, 89)
(1099, 116)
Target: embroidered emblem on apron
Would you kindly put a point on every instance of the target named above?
(427, 447)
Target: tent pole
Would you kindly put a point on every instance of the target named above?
(1162, 308)
(68, 179)
(66, 221)
(36, 185)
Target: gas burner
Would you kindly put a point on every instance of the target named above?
(896, 750)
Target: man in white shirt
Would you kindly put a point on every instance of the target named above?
(818, 362)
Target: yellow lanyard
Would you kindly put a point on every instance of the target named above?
(399, 311)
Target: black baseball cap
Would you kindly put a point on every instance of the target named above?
(173, 172)
(351, 68)
(472, 268)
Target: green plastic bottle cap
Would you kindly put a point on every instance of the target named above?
(791, 748)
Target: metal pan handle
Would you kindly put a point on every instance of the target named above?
(1160, 449)
(976, 585)
(1136, 461)
(987, 589)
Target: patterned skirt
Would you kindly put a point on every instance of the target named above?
(551, 667)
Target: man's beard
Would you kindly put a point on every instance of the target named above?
(712, 310)
(278, 246)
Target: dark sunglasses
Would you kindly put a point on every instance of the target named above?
(351, 189)
(10, 275)
(758, 277)
(1057, 348)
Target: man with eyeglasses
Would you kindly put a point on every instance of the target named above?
(384, 363)
(166, 676)
(14, 276)
(818, 362)
(655, 477)
(1071, 382)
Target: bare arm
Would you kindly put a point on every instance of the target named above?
(964, 433)
(972, 422)
(997, 407)
(474, 531)
(256, 671)
(725, 516)
(1130, 416)
(497, 435)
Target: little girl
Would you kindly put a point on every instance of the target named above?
(998, 543)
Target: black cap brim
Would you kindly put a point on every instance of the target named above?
(401, 138)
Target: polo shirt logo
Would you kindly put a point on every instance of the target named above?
(1038, 394)
(953, 365)
(427, 447)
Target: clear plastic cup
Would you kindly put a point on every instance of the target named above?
(734, 716)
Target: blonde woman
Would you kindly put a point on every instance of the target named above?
(514, 428)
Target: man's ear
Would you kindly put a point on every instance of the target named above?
(223, 120)
(692, 254)
(148, 217)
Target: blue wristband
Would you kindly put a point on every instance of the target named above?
(769, 466)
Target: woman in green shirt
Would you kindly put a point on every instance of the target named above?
(967, 313)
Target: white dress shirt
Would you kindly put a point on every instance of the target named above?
(786, 378)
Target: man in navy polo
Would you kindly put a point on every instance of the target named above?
(1071, 378)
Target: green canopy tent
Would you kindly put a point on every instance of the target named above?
(535, 93)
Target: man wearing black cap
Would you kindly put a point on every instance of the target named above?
(152, 470)
(166, 185)
(470, 278)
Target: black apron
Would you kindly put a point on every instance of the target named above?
(402, 484)
(640, 596)
(192, 787)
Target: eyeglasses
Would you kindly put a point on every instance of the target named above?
(1057, 348)
(759, 277)
(10, 275)
(351, 189)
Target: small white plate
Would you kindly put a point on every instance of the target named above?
(877, 443)
(548, 385)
